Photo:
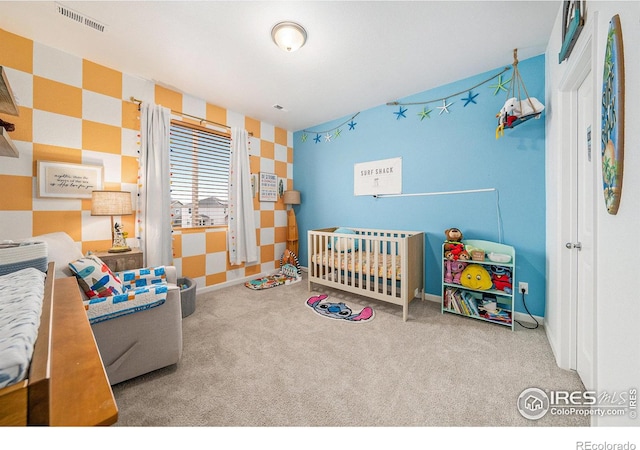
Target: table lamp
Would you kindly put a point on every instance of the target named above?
(113, 203)
(292, 198)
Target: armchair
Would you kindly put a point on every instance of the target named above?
(136, 343)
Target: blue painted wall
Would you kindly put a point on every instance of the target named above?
(445, 152)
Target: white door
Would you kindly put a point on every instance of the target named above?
(588, 155)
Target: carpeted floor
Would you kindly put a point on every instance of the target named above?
(264, 358)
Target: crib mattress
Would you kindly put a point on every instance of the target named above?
(363, 264)
(21, 296)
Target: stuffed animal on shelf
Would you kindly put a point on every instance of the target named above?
(474, 276)
(453, 271)
(501, 279)
(453, 247)
(514, 109)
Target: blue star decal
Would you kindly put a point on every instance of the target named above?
(317, 138)
(352, 125)
(400, 113)
(470, 98)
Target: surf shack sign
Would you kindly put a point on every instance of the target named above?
(378, 177)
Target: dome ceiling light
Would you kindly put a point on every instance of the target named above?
(289, 36)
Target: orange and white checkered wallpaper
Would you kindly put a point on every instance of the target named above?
(76, 111)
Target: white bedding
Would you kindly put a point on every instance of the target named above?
(21, 295)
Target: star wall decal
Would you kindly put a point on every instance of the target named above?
(400, 113)
(304, 137)
(352, 125)
(317, 138)
(501, 85)
(470, 98)
(337, 133)
(327, 137)
(425, 113)
(444, 107)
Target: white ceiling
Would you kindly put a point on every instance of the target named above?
(359, 54)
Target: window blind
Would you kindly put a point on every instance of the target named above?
(200, 161)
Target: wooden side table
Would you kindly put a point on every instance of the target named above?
(118, 262)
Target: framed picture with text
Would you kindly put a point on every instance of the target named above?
(66, 180)
(268, 187)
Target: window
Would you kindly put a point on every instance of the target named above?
(200, 160)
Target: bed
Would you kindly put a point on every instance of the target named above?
(63, 356)
(385, 265)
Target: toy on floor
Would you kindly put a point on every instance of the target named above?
(289, 273)
(338, 310)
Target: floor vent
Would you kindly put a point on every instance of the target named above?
(80, 18)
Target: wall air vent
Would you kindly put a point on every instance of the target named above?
(80, 18)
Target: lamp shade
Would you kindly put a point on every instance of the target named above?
(289, 36)
(110, 203)
(292, 197)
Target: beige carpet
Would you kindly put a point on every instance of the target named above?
(264, 358)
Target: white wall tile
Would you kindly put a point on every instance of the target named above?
(112, 164)
(57, 65)
(56, 129)
(289, 138)
(16, 225)
(216, 262)
(101, 108)
(96, 228)
(130, 144)
(193, 244)
(267, 267)
(267, 132)
(267, 236)
(280, 153)
(267, 165)
(137, 87)
(194, 106)
(23, 164)
(280, 218)
(235, 119)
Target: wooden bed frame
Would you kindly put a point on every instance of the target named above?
(393, 286)
(66, 384)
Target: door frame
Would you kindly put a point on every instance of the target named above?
(582, 62)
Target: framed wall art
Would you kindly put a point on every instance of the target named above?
(572, 24)
(612, 141)
(268, 187)
(66, 180)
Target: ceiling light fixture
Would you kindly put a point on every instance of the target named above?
(289, 36)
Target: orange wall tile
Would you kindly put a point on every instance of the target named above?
(129, 168)
(168, 98)
(177, 246)
(216, 242)
(42, 152)
(53, 221)
(16, 193)
(101, 79)
(16, 52)
(267, 149)
(290, 155)
(281, 136)
(280, 169)
(252, 126)
(216, 278)
(266, 219)
(280, 234)
(251, 270)
(58, 98)
(130, 116)
(96, 246)
(267, 253)
(194, 266)
(216, 114)
(101, 137)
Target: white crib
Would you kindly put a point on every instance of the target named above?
(385, 265)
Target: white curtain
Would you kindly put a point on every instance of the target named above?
(154, 203)
(241, 234)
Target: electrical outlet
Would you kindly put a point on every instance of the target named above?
(523, 286)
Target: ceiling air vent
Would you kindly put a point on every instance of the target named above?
(279, 107)
(80, 18)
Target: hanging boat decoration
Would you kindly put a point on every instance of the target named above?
(517, 108)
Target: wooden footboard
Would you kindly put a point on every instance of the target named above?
(386, 265)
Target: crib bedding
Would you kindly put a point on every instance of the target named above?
(21, 296)
(15, 256)
(361, 262)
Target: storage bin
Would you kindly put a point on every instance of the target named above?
(187, 295)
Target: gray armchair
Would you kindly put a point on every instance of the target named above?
(133, 344)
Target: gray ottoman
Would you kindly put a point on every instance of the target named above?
(187, 295)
